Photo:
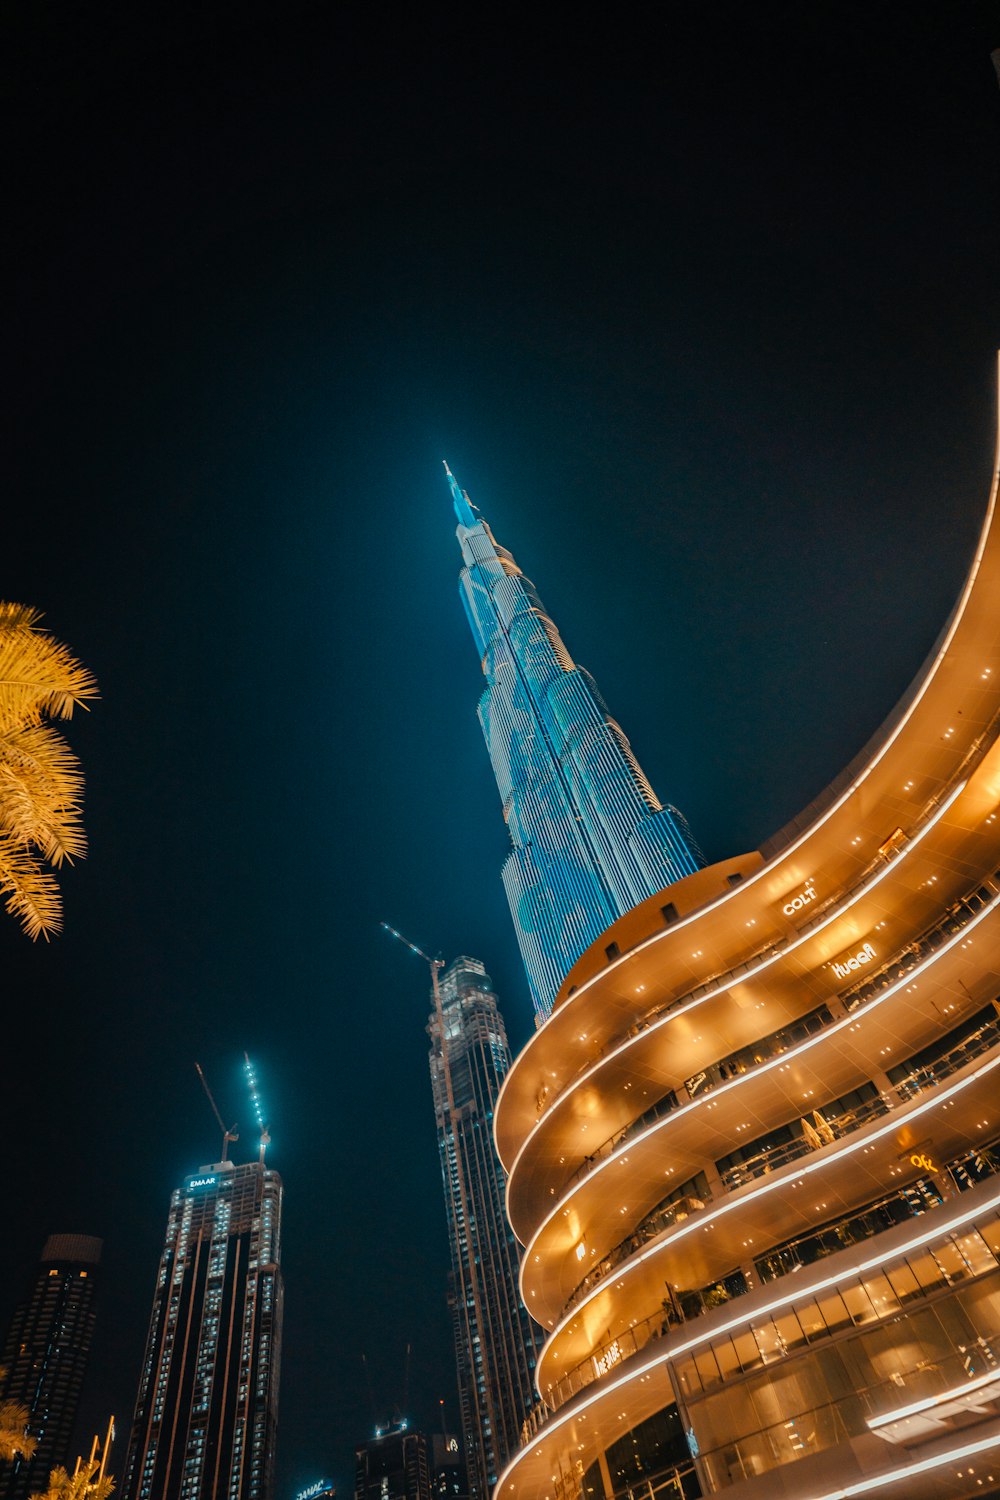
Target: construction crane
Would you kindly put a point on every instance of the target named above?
(227, 1135)
(468, 1283)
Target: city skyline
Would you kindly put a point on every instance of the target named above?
(700, 306)
(589, 836)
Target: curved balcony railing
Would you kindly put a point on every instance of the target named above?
(772, 1158)
(748, 1058)
(852, 1230)
(983, 1039)
(667, 1214)
(817, 914)
(957, 917)
(817, 1133)
(888, 854)
(657, 1111)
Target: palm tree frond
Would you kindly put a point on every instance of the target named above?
(38, 674)
(41, 791)
(14, 1440)
(32, 894)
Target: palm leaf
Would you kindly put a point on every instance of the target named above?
(41, 791)
(38, 674)
(14, 1440)
(32, 894)
(85, 1484)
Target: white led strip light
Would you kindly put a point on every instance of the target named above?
(751, 973)
(992, 1377)
(780, 1059)
(801, 1291)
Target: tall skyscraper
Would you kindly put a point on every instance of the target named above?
(393, 1466)
(45, 1356)
(206, 1412)
(496, 1342)
(589, 836)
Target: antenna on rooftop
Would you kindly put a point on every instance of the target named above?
(371, 1393)
(227, 1135)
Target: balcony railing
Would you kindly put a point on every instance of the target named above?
(666, 1215)
(772, 1158)
(984, 1039)
(852, 1230)
(957, 917)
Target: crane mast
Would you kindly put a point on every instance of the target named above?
(227, 1135)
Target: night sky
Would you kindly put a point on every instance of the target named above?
(700, 304)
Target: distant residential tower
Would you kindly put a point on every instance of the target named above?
(589, 836)
(496, 1342)
(206, 1413)
(45, 1356)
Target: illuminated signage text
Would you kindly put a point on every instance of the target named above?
(610, 1357)
(847, 966)
(800, 899)
(319, 1488)
(200, 1181)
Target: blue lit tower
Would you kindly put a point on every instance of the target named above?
(590, 839)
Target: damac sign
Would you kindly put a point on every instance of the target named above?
(844, 967)
(800, 899)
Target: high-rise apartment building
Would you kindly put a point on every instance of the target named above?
(393, 1466)
(45, 1356)
(589, 836)
(206, 1412)
(496, 1342)
(759, 1188)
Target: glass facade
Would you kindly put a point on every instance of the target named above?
(589, 837)
(496, 1342)
(206, 1413)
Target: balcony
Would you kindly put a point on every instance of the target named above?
(949, 1262)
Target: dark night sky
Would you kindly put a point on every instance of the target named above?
(700, 304)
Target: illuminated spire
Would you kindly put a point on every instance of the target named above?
(589, 837)
(463, 505)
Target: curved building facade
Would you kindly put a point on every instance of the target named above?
(589, 837)
(754, 1153)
